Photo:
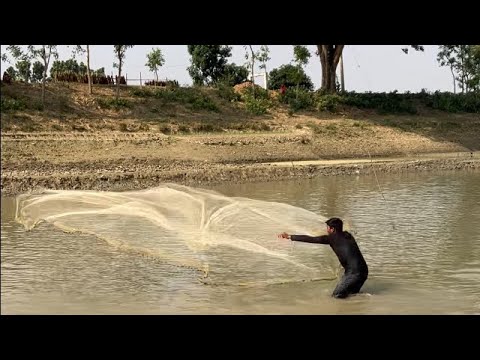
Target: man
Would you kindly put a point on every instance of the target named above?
(348, 253)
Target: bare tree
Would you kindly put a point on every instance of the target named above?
(120, 51)
(81, 49)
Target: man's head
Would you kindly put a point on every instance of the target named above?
(334, 225)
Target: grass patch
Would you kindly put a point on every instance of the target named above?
(165, 129)
(206, 127)
(113, 103)
(11, 104)
(193, 98)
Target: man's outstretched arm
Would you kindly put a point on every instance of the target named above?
(323, 239)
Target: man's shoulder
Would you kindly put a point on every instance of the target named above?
(348, 235)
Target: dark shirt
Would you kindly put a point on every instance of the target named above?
(344, 246)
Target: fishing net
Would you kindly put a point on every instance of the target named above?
(232, 240)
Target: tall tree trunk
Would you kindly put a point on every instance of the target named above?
(118, 79)
(462, 59)
(44, 78)
(88, 71)
(46, 61)
(253, 74)
(266, 76)
(342, 76)
(454, 84)
(43, 84)
(298, 81)
(329, 58)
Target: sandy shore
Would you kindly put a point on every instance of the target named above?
(78, 143)
(123, 162)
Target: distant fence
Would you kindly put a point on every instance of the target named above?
(148, 81)
(71, 77)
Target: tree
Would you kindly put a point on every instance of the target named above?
(329, 58)
(208, 63)
(263, 58)
(454, 56)
(12, 73)
(464, 63)
(24, 72)
(234, 74)
(250, 57)
(155, 60)
(82, 69)
(37, 71)
(474, 67)
(99, 72)
(61, 68)
(120, 51)
(80, 49)
(415, 47)
(301, 55)
(42, 52)
(289, 75)
(445, 58)
(16, 52)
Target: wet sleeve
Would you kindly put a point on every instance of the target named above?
(310, 239)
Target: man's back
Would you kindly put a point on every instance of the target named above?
(348, 253)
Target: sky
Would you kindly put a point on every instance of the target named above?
(375, 68)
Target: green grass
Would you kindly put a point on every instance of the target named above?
(113, 103)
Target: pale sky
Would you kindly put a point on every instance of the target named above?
(375, 68)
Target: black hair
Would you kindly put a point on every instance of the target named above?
(335, 223)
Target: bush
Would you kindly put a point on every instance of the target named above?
(297, 99)
(256, 106)
(260, 93)
(226, 92)
(382, 102)
(203, 103)
(10, 104)
(455, 102)
(328, 102)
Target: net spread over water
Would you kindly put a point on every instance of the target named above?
(232, 240)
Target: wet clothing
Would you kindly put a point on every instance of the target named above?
(345, 247)
(349, 284)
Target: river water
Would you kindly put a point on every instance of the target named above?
(419, 233)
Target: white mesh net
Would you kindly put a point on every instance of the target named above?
(232, 240)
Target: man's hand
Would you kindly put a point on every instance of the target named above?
(284, 235)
